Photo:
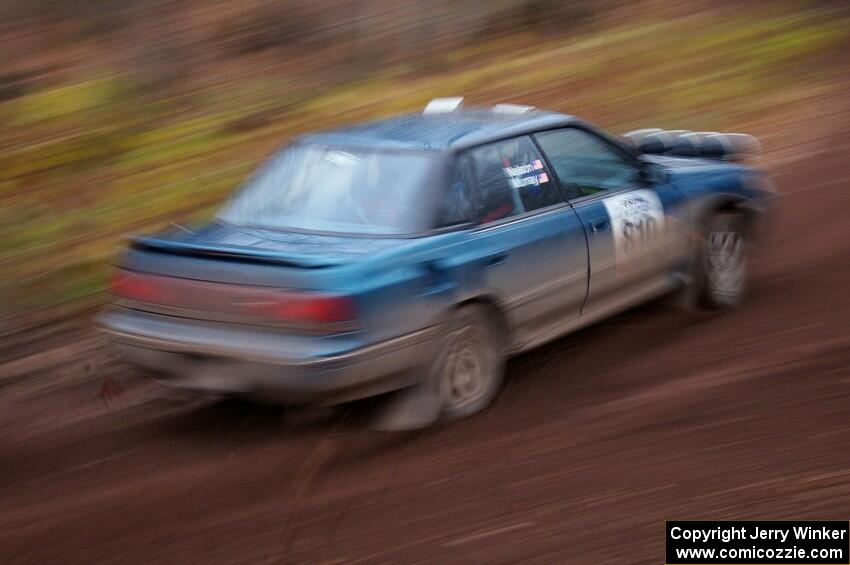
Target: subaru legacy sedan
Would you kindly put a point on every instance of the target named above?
(413, 255)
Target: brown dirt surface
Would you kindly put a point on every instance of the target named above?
(596, 440)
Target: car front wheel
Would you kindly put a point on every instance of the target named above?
(723, 265)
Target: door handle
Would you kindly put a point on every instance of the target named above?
(598, 225)
(437, 279)
(496, 259)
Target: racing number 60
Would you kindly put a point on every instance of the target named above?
(638, 232)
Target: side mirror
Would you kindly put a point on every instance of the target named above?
(652, 173)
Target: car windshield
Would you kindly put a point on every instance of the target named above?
(319, 188)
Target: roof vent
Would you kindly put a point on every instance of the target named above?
(443, 105)
(513, 109)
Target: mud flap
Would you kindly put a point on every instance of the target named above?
(684, 295)
(410, 409)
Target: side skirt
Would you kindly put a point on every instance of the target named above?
(655, 289)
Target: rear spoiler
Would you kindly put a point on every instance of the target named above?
(229, 253)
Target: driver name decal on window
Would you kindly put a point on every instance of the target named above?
(526, 175)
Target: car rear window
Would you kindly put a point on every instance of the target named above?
(319, 188)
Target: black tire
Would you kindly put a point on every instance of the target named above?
(470, 362)
(721, 262)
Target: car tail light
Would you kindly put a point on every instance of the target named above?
(300, 307)
(135, 287)
(233, 302)
(317, 309)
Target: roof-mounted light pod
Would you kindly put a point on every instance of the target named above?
(513, 109)
(443, 105)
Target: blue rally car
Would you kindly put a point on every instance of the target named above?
(413, 255)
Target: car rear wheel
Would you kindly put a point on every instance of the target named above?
(470, 364)
(723, 265)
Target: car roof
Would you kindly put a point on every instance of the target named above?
(444, 131)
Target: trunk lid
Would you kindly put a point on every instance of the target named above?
(231, 274)
(225, 242)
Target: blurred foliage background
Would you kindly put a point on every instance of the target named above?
(118, 117)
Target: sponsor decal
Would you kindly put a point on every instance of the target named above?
(637, 223)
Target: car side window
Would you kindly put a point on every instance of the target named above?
(456, 206)
(584, 163)
(511, 178)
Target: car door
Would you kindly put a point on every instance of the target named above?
(635, 228)
(529, 242)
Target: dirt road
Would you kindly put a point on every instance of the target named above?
(596, 440)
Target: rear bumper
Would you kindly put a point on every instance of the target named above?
(259, 362)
